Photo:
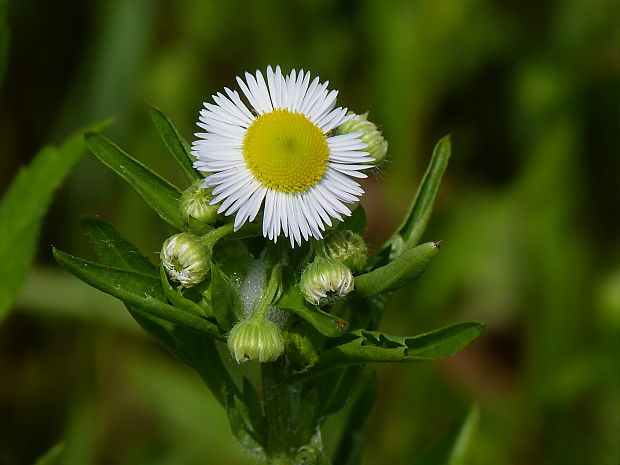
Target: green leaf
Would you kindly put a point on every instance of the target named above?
(52, 456)
(137, 290)
(113, 249)
(374, 346)
(187, 344)
(22, 209)
(413, 225)
(178, 146)
(351, 443)
(356, 222)
(327, 324)
(254, 410)
(397, 273)
(176, 297)
(225, 299)
(159, 194)
(241, 426)
(452, 449)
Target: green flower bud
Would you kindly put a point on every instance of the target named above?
(303, 345)
(195, 205)
(347, 247)
(377, 145)
(255, 339)
(325, 281)
(186, 259)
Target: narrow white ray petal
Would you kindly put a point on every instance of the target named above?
(302, 220)
(317, 101)
(283, 211)
(309, 94)
(325, 105)
(318, 208)
(238, 192)
(262, 105)
(242, 198)
(344, 138)
(271, 83)
(353, 173)
(268, 213)
(255, 203)
(263, 91)
(234, 96)
(302, 86)
(248, 94)
(225, 130)
(348, 184)
(331, 199)
(208, 116)
(279, 87)
(290, 89)
(215, 111)
(332, 119)
(312, 216)
(228, 106)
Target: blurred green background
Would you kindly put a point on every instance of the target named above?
(529, 212)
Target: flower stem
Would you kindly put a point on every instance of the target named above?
(215, 235)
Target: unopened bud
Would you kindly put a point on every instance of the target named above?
(377, 145)
(303, 345)
(325, 281)
(255, 339)
(186, 259)
(347, 247)
(195, 205)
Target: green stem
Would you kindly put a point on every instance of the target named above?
(269, 294)
(277, 407)
(215, 235)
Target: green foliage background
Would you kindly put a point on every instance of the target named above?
(528, 212)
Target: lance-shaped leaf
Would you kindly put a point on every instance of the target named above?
(159, 194)
(113, 249)
(452, 449)
(397, 273)
(374, 346)
(175, 296)
(241, 425)
(135, 289)
(351, 444)
(176, 143)
(325, 323)
(23, 206)
(188, 345)
(414, 223)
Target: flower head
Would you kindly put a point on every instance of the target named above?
(278, 154)
(255, 339)
(325, 281)
(195, 203)
(347, 247)
(186, 259)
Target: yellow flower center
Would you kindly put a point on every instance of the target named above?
(285, 151)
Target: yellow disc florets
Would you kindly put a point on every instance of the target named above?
(286, 151)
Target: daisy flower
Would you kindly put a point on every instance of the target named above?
(277, 153)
